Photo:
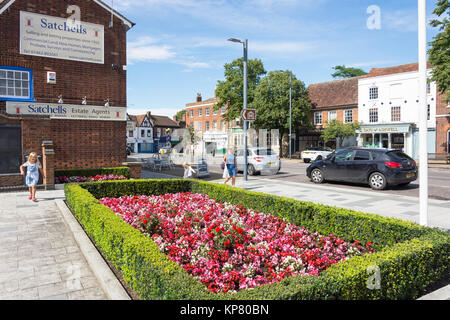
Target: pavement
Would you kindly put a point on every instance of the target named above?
(45, 254)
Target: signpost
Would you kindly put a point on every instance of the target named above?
(248, 115)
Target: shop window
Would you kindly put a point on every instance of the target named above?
(396, 114)
(373, 93)
(318, 118)
(373, 115)
(16, 84)
(348, 116)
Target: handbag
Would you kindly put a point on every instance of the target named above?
(225, 173)
(222, 165)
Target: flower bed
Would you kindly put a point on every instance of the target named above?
(228, 247)
(77, 179)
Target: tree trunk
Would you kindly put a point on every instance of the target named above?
(285, 145)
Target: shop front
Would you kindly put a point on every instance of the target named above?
(388, 136)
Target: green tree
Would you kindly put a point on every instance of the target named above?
(338, 130)
(231, 90)
(271, 102)
(439, 53)
(347, 72)
(180, 114)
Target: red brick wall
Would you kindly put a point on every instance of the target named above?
(442, 124)
(204, 118)
(78, 144)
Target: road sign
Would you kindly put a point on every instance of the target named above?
(248, 115)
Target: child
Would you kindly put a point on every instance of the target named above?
(188, 171)
(32, 178)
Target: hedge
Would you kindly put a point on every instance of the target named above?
(410, 257)
(120, 171)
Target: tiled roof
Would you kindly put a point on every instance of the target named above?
(411, 67)
(334, 93)
(207, 101)
(163, 121)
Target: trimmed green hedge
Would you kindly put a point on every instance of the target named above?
(409, 257)
(120, 171)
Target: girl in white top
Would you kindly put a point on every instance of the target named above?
(32, 178)
(188, 171)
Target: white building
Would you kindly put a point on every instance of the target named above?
(388, 107)
(140, 139)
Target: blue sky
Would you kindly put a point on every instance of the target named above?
(179, 47)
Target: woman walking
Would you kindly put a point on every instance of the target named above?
(229, 161)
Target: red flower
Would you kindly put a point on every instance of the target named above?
(145, 221)
(240, 231)
(218, 229)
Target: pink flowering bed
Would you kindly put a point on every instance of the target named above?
(73, 179)
(227, 247)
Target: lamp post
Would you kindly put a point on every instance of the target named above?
(423, 114)
(245, 44)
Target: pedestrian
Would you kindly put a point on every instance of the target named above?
(32, 178)
(229, 160)
(188, 171)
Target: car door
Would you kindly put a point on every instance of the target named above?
(359, 167)
(240, 159)
(336, 168)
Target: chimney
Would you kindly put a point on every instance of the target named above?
(199, 97)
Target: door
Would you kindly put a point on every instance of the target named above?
(359, 167)
(337, 167)
(10, 148)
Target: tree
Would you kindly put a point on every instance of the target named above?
(180, 114)
(338, 130)
(271, 102)
(439, 53)
(231, 91)
(347, 72)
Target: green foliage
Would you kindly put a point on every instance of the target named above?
(180, 114)
(271, 100)
(120, 171)
(338, 130)
(347, 72)
(409, 257)
(439, 54)
(231, 90)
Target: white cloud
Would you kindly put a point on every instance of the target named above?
(145, 49)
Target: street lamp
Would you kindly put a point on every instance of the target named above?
(423, 114)
(245, 44)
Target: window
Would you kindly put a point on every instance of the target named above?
(344, 155)
(223, 110)
(332, 115)
(130, 133)
(149, 133)
(16, 83)
(373, 93)
(214, 125)
(207, 126)
(348, 116)
(207, 112)
(429, 113)
(199, 112)
(395, 114)
(214, 112)
(361, 155)
(318, 118)
(191, 113)
(373, 115)
(223, 125)
(142, 133)
(428, 87)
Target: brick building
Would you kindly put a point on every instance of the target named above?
(59, 61)
(202, 116)
(442, 124)
(336, 100)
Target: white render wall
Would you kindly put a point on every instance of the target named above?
(395, 88)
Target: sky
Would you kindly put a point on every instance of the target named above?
(178, 48)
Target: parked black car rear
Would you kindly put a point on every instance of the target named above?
(377, 167)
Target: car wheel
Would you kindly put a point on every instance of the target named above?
(251, 170)
(377, 181)
(317, 176)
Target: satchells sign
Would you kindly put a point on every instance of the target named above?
(60, 38)
(67, 111)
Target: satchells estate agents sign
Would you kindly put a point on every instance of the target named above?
(67, 111)
(59, 38)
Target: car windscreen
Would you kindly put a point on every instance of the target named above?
(399, 155)
(264, 152)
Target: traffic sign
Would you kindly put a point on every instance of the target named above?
(248, 115)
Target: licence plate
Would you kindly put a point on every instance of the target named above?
(272, 163)
(307, 153)
(410, 175)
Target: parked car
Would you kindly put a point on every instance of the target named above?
(258, 159)
(129, 150)
(315, 153)
(377, 167)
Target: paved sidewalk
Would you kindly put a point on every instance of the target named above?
(389, 205)
(39, 257)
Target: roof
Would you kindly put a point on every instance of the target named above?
(138, 119)
(411, 67)
(6, 4)
(163, 121)
(203, 102)
(342, 92)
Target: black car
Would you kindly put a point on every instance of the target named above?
(377, 167)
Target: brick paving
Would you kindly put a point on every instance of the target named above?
(39, 257)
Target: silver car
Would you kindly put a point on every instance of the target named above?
(258, 160)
